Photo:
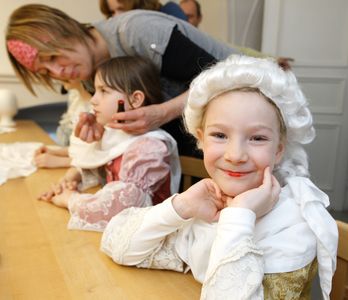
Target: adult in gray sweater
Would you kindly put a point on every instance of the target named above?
(45, 43)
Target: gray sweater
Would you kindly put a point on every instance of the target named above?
(147, 33)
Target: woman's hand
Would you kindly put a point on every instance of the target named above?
(87, 128)
(285, 62)
(203, 200)
(260, 200)
(140, 120)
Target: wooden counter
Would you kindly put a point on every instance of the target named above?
(41, 259)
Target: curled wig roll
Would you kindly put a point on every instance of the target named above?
(280, 86)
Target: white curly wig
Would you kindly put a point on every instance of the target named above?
(280, 86)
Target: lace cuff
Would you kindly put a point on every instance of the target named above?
(144, 237)
(118, 233)
(93, 211)
(164, 257)
(89, 178)
(239, 274)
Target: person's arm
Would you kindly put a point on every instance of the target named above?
(52, 157)
(144, 237)
(181, 61)
(147, 232)
(284, 62)
(50, 161)
(235, 263)
(52, 149)
(140, 177)
(143, 119)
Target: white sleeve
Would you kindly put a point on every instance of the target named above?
(89, 178)
(144, 237)
(235, 264)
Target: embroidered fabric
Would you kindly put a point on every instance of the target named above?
(236, 266)
(239, 274)
(115, 240)
(146, 163)
(141, 174)
(164, 257)
(93, 211)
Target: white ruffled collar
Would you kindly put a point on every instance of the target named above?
(300, 214)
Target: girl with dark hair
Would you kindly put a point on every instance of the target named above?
(139, 170)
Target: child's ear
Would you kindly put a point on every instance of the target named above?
(280, 152)
(137, 98)
(200, 136)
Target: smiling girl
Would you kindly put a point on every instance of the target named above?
(139, 170)
(258, 228)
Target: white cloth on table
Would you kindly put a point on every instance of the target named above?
(16, 160)
(5, 129)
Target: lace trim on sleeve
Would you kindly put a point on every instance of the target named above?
(119, 232)
(89, 178)
(94, 211)
(239, 274)
(164, 257)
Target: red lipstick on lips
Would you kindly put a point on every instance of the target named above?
(235, 174)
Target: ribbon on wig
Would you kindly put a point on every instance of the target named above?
(23, 53)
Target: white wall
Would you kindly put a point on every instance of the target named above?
(77, 9)
(234, 21)
(318, 41)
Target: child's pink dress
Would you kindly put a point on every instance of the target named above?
(140, 176)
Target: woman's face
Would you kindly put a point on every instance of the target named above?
(77, 64)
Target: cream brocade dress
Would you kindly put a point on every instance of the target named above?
(239, 257)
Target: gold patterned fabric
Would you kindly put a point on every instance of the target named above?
(291, 285)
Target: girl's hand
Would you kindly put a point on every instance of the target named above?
(60, 193)
(61, 199)
(203, 200)
(140, 120)
(260, 200)
(87, 128)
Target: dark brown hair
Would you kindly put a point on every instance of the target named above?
(130, 73)
(129, 5)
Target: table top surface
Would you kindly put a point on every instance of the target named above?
(41, 259)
